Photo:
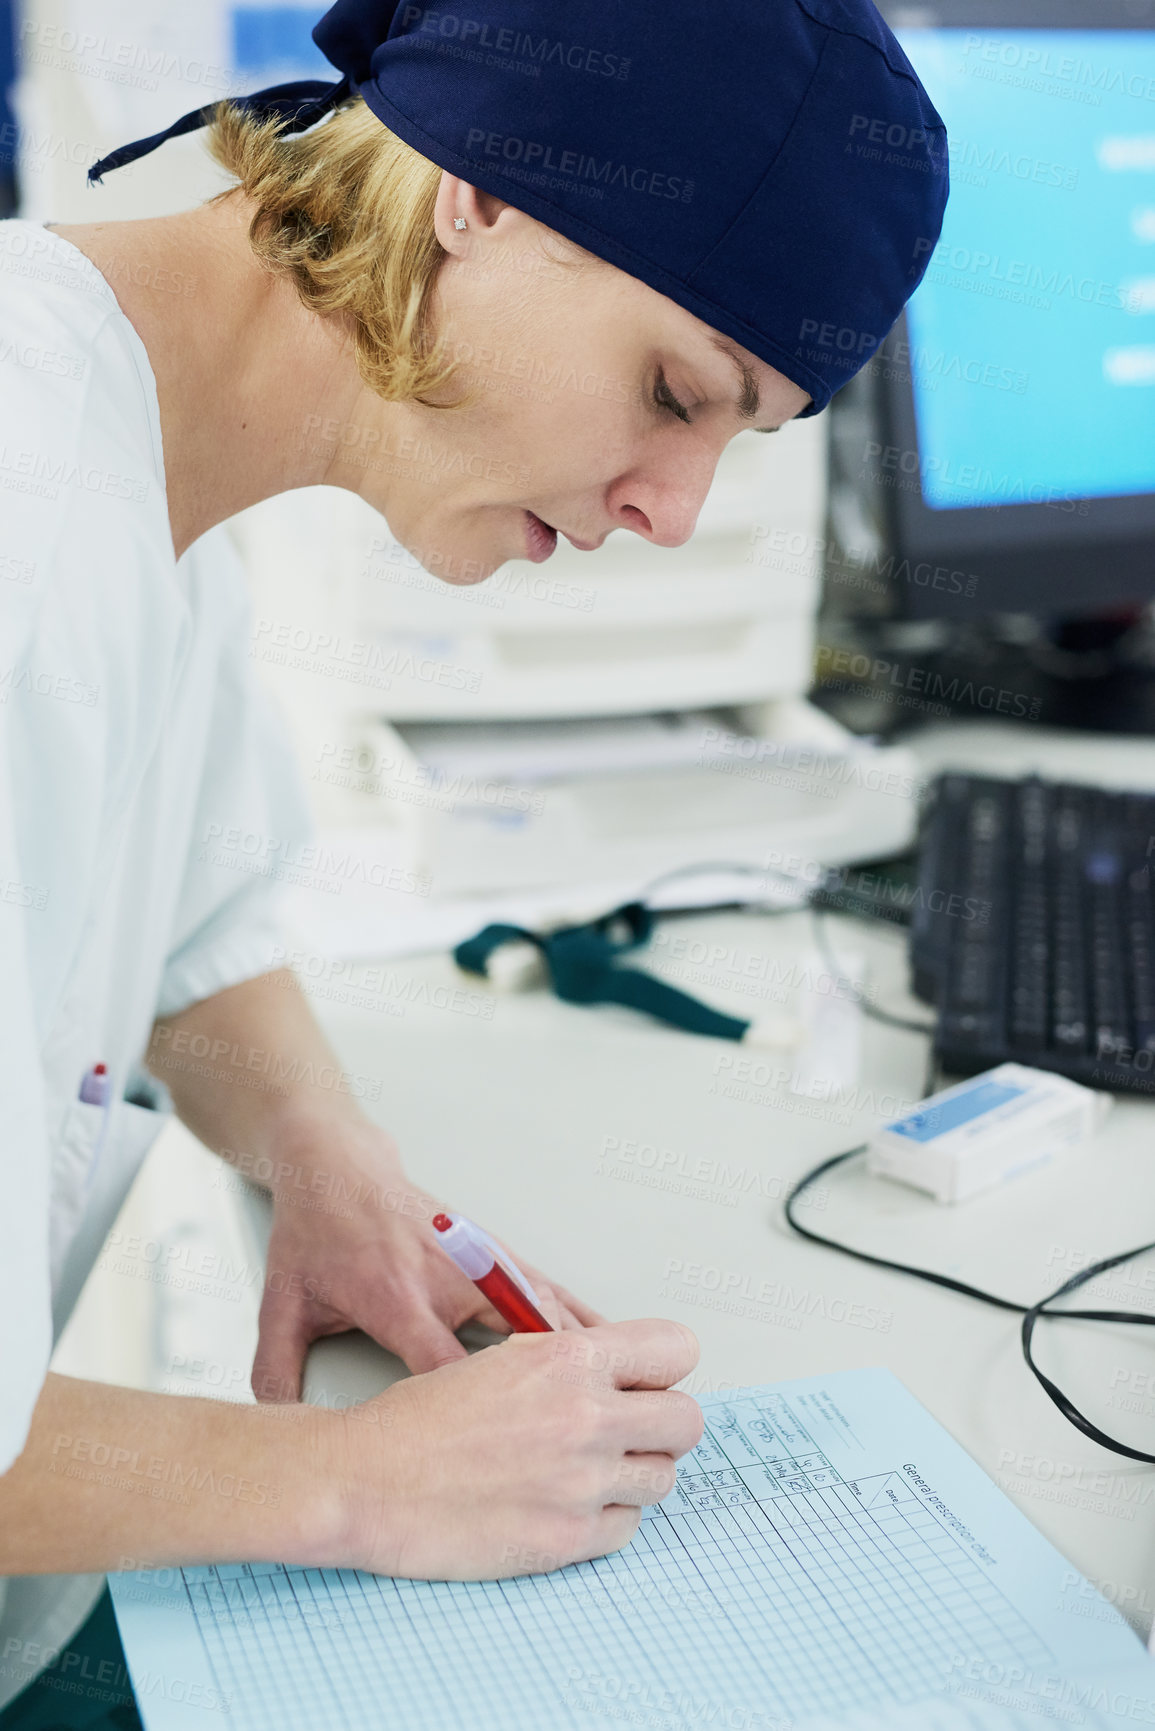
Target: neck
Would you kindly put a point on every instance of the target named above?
(243, 370)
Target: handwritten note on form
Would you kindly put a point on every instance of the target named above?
(828, 1549)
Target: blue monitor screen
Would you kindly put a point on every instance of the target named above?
(1032, 337)
(275, 43)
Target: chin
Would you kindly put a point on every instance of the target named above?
(464, 547)
(462, 571)
(452, 562)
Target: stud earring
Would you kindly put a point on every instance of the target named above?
(460, 222)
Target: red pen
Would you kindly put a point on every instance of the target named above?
(96, 1090)
(491, 1271)
(95, 1085)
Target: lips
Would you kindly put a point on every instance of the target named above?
(543, 536)
(540, 539)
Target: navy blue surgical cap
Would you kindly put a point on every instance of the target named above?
(773, 166)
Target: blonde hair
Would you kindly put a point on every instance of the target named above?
(346, 211)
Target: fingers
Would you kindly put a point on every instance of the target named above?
(576, 1314)
(568, 1311)
(281, 1346)
(644, 1479)
(674, 1352)
(560, 1308)
(424, 1341)
(611, 1531)
(489, 1318)
(649, 1354)
(668, 1422)
(659, 1353)
(548, 1303)
(607, 1529)
(569, 1322)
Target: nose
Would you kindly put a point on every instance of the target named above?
(664, 507)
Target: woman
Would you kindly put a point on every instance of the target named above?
(662, 198)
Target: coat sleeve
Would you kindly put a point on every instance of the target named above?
(25, 1291)
(251, 821)
(25, 1282)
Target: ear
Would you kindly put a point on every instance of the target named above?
(484, 216)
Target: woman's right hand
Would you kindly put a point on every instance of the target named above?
(522, 1458)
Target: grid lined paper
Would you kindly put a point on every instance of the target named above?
(768, 1587)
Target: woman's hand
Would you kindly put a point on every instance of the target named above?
(352, 1246)
(526, 1456)
(520, 1459)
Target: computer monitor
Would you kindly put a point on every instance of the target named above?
(8, 150)
(1001, 447)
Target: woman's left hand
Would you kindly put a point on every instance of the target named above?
(352, 1246)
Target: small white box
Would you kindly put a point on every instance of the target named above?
(973, 1136)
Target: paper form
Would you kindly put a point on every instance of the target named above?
(828, 1553)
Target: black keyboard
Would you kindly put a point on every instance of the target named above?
(1033, 929)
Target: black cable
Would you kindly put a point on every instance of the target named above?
(880, 1261)
(889, 1020)
(886, 1017)
(930, 1080)
(1030, 1313)
(1065, 1405)
(732, 868)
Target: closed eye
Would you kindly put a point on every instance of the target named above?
(665, 399)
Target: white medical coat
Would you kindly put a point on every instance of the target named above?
(131, 739)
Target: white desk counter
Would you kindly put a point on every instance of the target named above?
(644, 1169)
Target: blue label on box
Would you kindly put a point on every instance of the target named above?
(960, 1109)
